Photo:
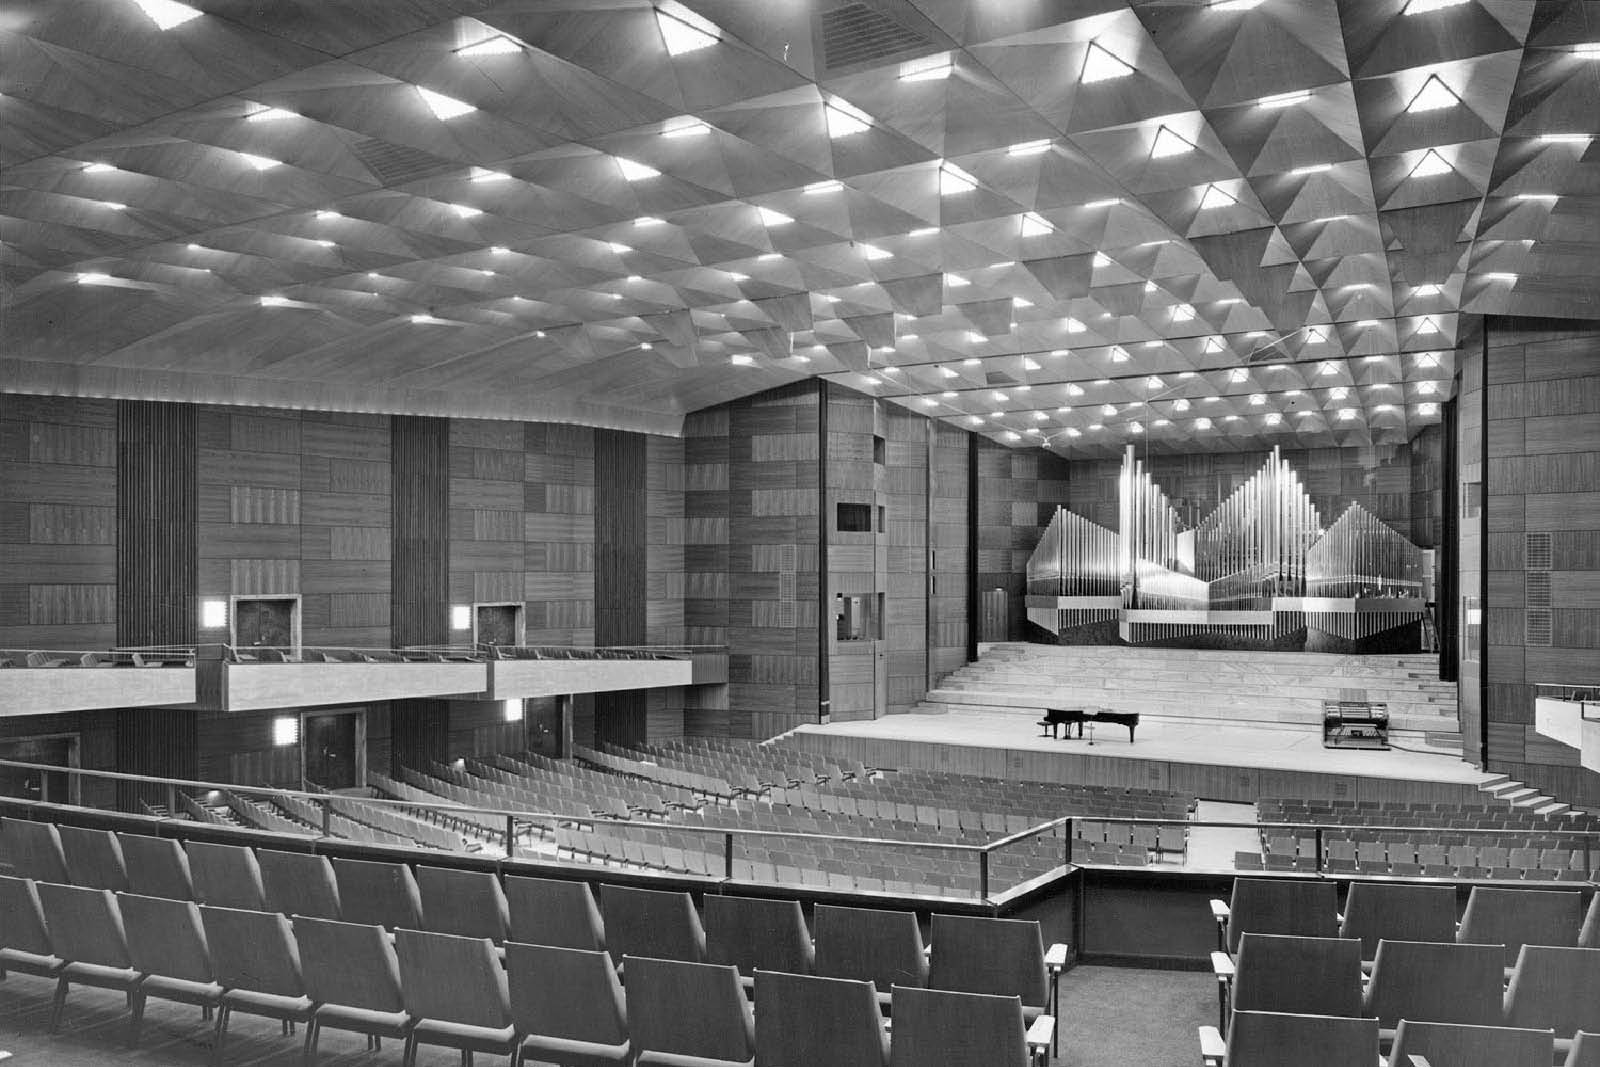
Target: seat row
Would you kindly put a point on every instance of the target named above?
(1271, 1039)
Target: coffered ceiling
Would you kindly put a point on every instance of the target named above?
(1075, 223)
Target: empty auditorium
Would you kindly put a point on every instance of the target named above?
(800, 533)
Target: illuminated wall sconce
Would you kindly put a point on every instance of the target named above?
(286, 730)
(213, 614)
(461, 617)
(511, 710)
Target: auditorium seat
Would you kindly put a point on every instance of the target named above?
(1275, 1039)
(86, 934)
(376, 892)
(1462, 1045)
(94, 858)
(1000, 957)
(568, 1006)
(881, 947)
(298, 883)
(24, 941)
(157, 866)
(455, 991)
(651, 922)
(226, 876)
(353, 977)
(1276, 906)
(554, 912)
(34, 849)
(1434, 983)
(258, 966)
(938, 1028)
(167, 946)
(1517, 917)
(1289, 975)
(464, 903)
(1385, 911)
(1555, 989)
(688, 1014)
(788, 1008)
(1585, 1051)
(757, 934)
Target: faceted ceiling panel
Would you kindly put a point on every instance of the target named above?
(1192, 225)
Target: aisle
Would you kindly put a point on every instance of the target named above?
(1212, 848)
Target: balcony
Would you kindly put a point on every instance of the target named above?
(39, 682)
(255, 679)
(519, 673)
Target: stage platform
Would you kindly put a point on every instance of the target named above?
(1217, 761)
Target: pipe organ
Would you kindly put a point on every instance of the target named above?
(1258, 571)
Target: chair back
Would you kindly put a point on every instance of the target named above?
(1585, 1051)
(1271, 1039)
(1461, 1045)
(84, 924)
(938, 1028)
(35, 850)
(1428, 982)
(166, 937)
(554, 912)
(688, 1009)
(374, 892)
(452, 979)
(299, 883)
(464, 903)
(1555, 989)
(254, 951)
(1282, 906)
(94, 858)
(22, 926)
(881, 947)
(1383, 911)
(1001, 957)
(157, 866)
(349, 964)
(226, 876)
(788, 1007)
(655, 923)
(1589, 936)
(1517, 917)
(753, 933)
(569, 994)
(1298, 975)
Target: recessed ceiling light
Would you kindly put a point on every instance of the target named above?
(972, 361)
(1547, 197)
(1314, 168)
(1289, 99)
(1202, 423)
(928, 68)
(1154, 343)
(1347, 413)
(646, 346)
(112, 204)
(1182, 312)
(618, 247)
(498, 250)
(324, 215)
(1428, 326)
(845, 119)
(1074, 326)
(1180, 405)
(168, 13)
(1118, 354)
(684, 31)
(1112, 202)
(1215, 196)
(1258, 399)
(1186, 375)
(1426, 289)
(1273, 418)
(1427, 409)
(1431, 165)
(1238, 374)
(923, 231)
(271, 114)
(953, 181)
(633, 171)
(771, 218)
(1213, 344)
(1566, 138)
(741, 360)
(499, 45)
(324, 242)
(948, 373)
(466, 211)
(976, 420)
(1500, 276)
(955, 281)
(444, 107)
(948, 394)
(1035, 225)
(1338, 392)
(1100, 65)
(1433, 95)
(93, 278)
(1101, 260)
(829, 298)
(1366, 324)
(479, 174)
(274, 301)
(1587, 50)
(1021, 302)
(259, 162)
(927, 401)
(1073, 433)
(1233, 5)
(976, 338)
(1168, 143)
(767, 257)
(874, 252)
(1030, 148)
(821, 188)
(98, 168)
(1422, 7)
(685, 126)
(1316, 335)
(1153, 382)
(736, 276)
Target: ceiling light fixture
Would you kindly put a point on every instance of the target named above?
(927, 69)
(499, 45)
(168, 13)
(1118, 354)
(1215, 196)
(259, 162)
(1202, 423)
(923, 231)
(444, 108)
(1212, 345)
(741, 360)
(1238, 374)
(274, 301)
(874, 252)
(685, 126)
(955, 281)
(1433, 96)
(1314, 168)
(1112, 202)
(1422, 7)
(466, 211)
(112, 204)
(953, 181)
(845, 119)
(1546, 197)
(1030, 148)
(1100, 65)
(1182, 312)
(821, 188)
(1167, 144)
(479, 174)
(771, 218)
(93, 278)
(1566, 138)
(633, 171)
(1428, 326)
(1074, 326)
(1431, 165)
(618, 247)
(648, 220)
(683, 31)
(271, 114)
(98, 168)
(1281, 100)
(1035, 225)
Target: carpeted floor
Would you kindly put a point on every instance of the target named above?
(1124, 1017)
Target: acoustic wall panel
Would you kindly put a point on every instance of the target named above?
(157, 524)
(420, 561)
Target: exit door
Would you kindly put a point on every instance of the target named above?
(334, 750)
(993, 623)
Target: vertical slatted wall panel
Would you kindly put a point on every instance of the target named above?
(619, 572)
(419, 569)
(156, 523)
(156, 741)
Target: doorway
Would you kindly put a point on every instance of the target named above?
(333, 748)
(57, 750)
(267, 622)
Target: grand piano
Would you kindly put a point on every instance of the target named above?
(1055, 718)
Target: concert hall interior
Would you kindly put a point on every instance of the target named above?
(909, 533)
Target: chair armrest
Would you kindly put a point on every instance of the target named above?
(1041, 1033)
(1212, 1047)
(1222, 966)
(1220, 911)
(1417, 1061)
(1056, 958)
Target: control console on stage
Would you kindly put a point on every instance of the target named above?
(1355, 724)
(1054, 718)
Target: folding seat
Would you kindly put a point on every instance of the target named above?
(455, 991)
(464, 903)
(1434, 983)
(1517, 917)
(881, 947)
(1375, 911)
(651, 922)
(156, 866)
(1271, 906)
(167, 946)
(684, 1014)
(567, 1005)
(258, 966)
(1585, 1051)
(1555, 989)
(86, 934)
(298, 883)
(353, 977)
(1272, 1039)
(94, 859)
(34, 849)
(1461, 1045)
(24, 941)
(1589, 936)
(998, 957)
(226, 876)
(788, 1008)
(1289, 975)
(373, 892)
(753, 933)
(938, 1028)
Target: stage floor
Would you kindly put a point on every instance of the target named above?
(1169, 740)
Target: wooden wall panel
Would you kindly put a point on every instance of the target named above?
(161, 742)
(420, 562)
(157, 524)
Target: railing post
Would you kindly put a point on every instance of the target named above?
(511, 834)
(727, 855)
(1069, 841)
(983, 875)
(327, 816)
(172, 801)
